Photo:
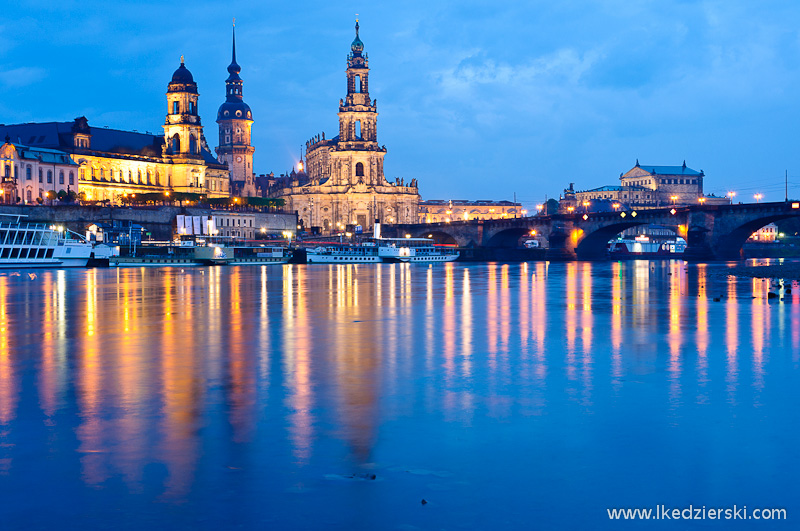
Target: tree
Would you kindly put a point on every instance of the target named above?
(550, 207)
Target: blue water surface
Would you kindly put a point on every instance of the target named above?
(506, 396)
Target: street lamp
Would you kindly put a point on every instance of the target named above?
(702, 200)
(731, 195)
(674, 198)
(570, 209)
(758, 197)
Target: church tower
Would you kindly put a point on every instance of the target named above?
(345, 182)
(235, 121)
(182, 129)
(358, 117)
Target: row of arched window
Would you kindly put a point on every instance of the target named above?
(176, 107)
(175, 144)
(101, 174)
(29, 174)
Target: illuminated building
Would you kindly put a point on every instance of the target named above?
(768, 233)
(235, 120)
(343, 182)
(439, 211)
(34, 174)
(645, 186)
(112, 162)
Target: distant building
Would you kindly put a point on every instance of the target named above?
(766, 234)
(35, 174)
(441, 211)
(111, 163)
(644, 186)
(343, 181)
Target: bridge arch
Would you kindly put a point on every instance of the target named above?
(594, 244)
(439, 237)
(729, 245)
(509, 238)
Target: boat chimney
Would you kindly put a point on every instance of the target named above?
(376, 231)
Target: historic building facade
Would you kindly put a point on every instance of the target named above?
(644, 186)
(440, 211)
(235, 120)
(343, 180)
(112, 163)
(35, 175)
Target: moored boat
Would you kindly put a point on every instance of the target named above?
(27, 245)
(643, 246)
(378, 250)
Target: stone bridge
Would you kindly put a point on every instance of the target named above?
(712, 232)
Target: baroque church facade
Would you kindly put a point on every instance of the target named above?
(111, 164)
(344, 183)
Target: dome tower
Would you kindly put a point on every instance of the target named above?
(182, 129)
(235, 121)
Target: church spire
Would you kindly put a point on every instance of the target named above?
(234, 67)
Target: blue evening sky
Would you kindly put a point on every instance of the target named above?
(477, 100)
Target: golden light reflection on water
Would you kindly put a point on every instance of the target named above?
(571, 320)
(702, 335)
(675, 337)
(297, 360)
(616, 322)
(157, 353)
(759, 324)
(8, 378)
(732, 340)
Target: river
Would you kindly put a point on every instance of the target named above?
(509, 396)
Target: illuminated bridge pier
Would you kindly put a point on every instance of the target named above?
(711, 232)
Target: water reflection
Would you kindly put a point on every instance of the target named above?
(164, 378)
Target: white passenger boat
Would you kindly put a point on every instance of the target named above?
(367, 252)
(27, 245)
(377, 250)
(413, 250)
(643, 247)
(197, 253)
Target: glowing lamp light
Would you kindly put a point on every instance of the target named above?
(585, 217)
(615, 206)
(408, 235)
(758, 197)
(673, 211)
(570, 209)
(702, 200)
(622, 214)
(633, 213)
(795, 205)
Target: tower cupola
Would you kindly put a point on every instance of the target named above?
(235, 120)
(182, 80)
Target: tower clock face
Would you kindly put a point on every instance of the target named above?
(238, 159)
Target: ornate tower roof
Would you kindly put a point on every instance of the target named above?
(234, 106)
(182, 80)
(357, 47)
